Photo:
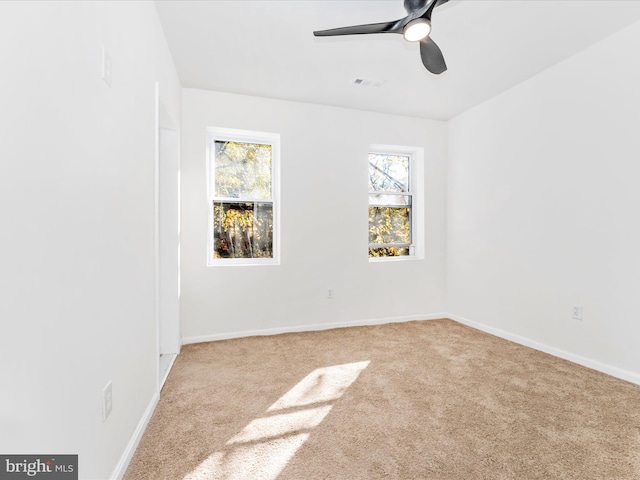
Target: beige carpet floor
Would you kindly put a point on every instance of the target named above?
(416, 400)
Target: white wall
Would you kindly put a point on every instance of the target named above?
(77, 201)
(543, 203)
(324, 221)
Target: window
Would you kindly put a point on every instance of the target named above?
(242, 187)
(394, 202)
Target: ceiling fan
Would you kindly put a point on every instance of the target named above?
(415, 27)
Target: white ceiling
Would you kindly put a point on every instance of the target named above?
(266, 48)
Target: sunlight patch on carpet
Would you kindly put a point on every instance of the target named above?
(266, 445)
(321, 385)
(282, 424)
(264, 460)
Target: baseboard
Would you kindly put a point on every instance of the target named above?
(309, 328)
(620, 373)
(126, 457)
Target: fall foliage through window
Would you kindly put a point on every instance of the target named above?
(390, 205)
(242, 200)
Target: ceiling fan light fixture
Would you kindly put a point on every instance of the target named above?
(416, 30)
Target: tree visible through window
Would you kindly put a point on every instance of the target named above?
(242, 200)
(390, 205)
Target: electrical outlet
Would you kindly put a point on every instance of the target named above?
(107, 401)
(330, 293)
(577, 312)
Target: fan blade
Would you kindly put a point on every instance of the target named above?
(384, 27)
(426, 11)
(432, 57)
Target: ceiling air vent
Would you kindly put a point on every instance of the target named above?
(367, 83)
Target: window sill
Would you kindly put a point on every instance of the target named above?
(405, 258)
(242, 262)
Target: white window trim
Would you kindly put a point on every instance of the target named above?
(416, 178)
(244, 136)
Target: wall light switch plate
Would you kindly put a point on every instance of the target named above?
(106, 66)
(107, 401)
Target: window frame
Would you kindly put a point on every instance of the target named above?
(416, 192)
(214, 134)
